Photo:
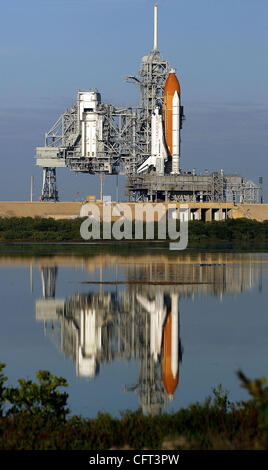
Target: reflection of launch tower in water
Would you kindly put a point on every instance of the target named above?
(140, 322)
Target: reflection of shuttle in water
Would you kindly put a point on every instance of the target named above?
(170, 360)
(164, 334)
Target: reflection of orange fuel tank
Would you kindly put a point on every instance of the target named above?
(170, 382)
(171, 86)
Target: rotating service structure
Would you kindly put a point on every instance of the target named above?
(142, 142)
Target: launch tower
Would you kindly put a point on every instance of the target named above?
(142, 142)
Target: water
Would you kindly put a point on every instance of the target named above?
(155, 330)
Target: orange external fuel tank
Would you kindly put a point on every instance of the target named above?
(170, 382)
(171, 86)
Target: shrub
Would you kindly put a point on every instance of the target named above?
(41, 398)
(36, 419)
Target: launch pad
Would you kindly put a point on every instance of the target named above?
(190, 187)
(142, 142)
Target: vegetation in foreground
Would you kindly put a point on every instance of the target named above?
(39, 229)
(34, 416)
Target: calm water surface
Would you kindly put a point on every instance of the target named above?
(156, 331)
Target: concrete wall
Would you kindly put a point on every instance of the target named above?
(251, 211)
(196, 211)
(62, 210)
(57, 210)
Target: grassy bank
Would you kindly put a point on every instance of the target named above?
(49, 230)
(34, 416)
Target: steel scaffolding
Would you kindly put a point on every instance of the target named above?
(122, 142)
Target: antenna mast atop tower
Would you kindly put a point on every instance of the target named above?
(155, 27)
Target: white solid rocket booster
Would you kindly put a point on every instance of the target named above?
(176, 133)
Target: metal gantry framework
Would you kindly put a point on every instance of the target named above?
(126, 132)
(150, 81)
(124, 141)
(98, 138)
(49, 187)
(190, 187)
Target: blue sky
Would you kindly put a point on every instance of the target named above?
(51, 48)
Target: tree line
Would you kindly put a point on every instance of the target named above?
(48, 229)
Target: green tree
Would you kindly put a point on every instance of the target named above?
(43, 398)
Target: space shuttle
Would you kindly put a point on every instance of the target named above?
(166, 126)
(158, 146)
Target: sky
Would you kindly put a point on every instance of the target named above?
(51, 48)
